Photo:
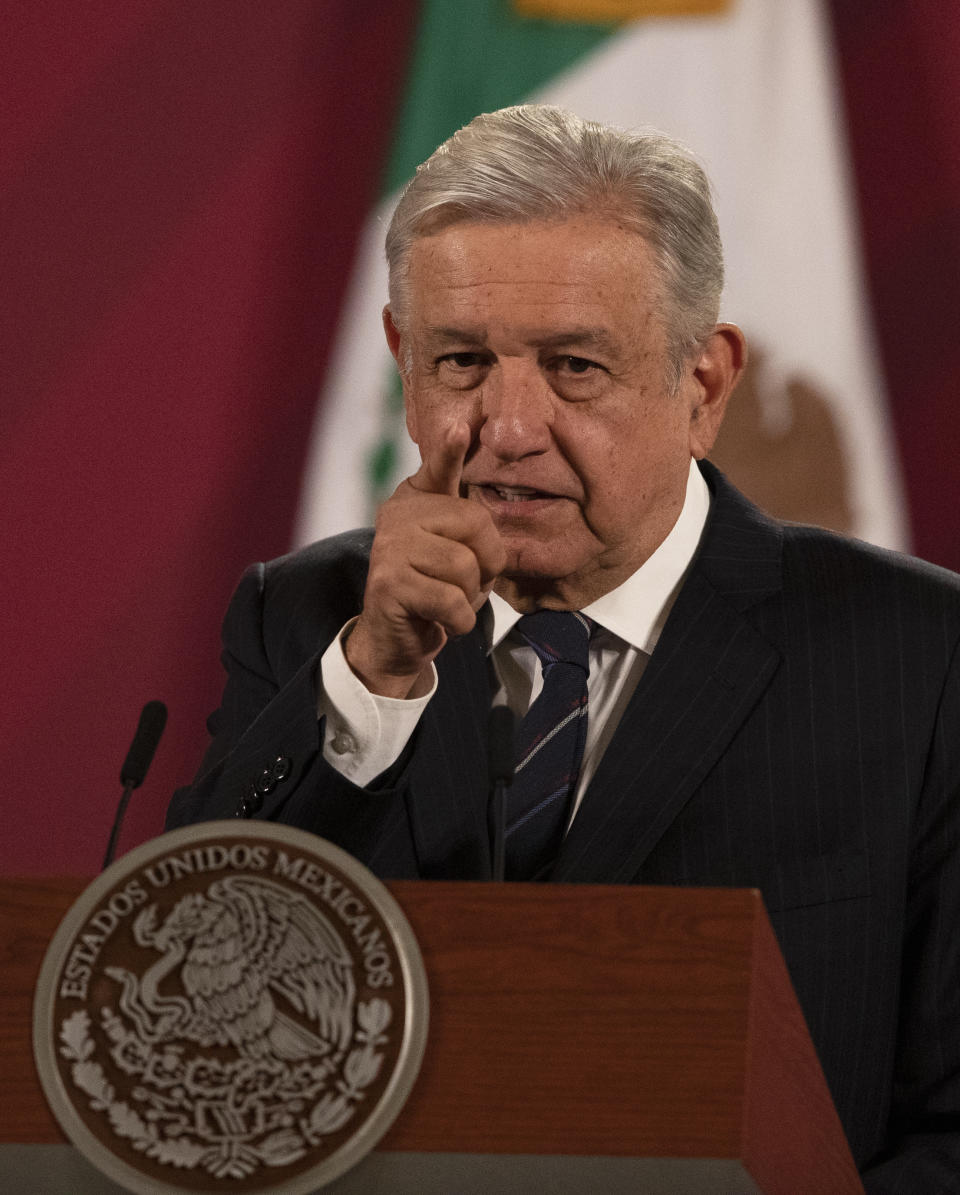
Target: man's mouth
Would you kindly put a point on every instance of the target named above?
(514, 501)
(516, 493)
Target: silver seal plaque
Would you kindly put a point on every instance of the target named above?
(231, 1006)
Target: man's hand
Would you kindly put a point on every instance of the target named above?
(434, 560)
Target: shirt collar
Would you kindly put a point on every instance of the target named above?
(637, 609)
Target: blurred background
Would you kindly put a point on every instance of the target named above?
(192, 204)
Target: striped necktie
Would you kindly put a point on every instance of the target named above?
(550, 743)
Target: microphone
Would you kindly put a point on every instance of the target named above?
(501, 752)
(153, 718)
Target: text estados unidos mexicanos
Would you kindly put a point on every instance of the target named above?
(78, 969)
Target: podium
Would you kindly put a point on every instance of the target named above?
(582, 1038)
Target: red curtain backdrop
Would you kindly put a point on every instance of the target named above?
(898, 65)
(181, 186)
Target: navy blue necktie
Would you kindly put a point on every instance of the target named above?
(550, 743)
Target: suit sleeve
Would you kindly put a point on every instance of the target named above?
(925, 1122)
(265, 757)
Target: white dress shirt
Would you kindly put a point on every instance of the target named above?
(365, 733)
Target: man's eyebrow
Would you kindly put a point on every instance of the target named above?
(582, 337)
(445, 335)
(567, 337)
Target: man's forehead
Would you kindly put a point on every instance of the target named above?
(584, 285)
(584, 259)
(462, 242)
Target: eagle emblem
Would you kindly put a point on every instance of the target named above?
(230, 1006)
(249, 954)
(242, 1044)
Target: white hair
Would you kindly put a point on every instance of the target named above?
(539, 162)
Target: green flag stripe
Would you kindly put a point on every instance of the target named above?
(474, 56)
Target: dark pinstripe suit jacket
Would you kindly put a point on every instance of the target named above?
(797, 729)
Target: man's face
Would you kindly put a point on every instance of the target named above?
(547, 339)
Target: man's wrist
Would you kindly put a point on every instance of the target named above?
(378, 680)
(364, 733)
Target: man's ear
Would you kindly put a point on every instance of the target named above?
(399, 351)
(392, 333)
(716, 371)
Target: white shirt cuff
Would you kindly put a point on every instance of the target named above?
(364, 733)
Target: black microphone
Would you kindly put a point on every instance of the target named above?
(153, 718)
(501, 751)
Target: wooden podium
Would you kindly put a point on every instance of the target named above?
(582, 1039)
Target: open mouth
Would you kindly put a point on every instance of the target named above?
(512, 495)
(515, 493)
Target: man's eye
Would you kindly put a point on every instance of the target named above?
(461, 360)
(578, 365)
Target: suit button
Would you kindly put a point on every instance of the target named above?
(265, 782)
(249, 804)
(281, 768)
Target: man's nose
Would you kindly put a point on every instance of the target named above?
(516, 411)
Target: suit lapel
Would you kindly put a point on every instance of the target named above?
(449, 768)
(706, 674)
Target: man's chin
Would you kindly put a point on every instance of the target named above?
(535, 568)
(531, 560)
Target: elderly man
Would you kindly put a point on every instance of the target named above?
(707, 696)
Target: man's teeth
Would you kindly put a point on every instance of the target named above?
(515, 493)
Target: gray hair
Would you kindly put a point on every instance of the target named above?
(536, 161)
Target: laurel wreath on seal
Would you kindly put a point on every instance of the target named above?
(163, 1137)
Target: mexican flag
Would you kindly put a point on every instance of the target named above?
(751, 87)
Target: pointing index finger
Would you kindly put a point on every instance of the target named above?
(442, 466)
